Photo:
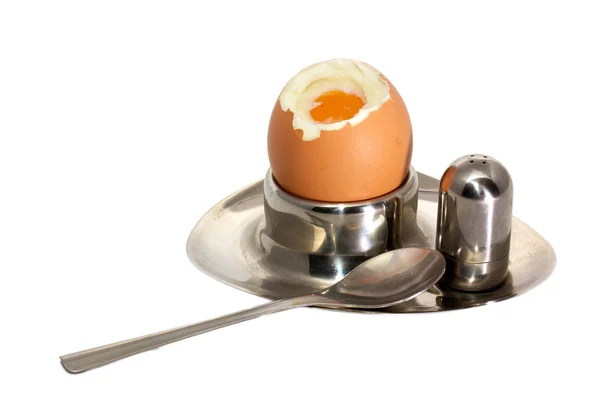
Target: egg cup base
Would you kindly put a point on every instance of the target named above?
(229, 244)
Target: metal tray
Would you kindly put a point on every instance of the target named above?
(226, 245)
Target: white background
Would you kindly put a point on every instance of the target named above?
(122, 122)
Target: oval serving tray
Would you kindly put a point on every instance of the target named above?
(226, 245)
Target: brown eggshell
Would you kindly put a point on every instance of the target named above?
(351, 164)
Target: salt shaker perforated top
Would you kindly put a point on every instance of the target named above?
(475, 222)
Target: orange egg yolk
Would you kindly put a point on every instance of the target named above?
(336, 106)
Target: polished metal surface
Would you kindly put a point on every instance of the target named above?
(387, 279)
(475, 277)
(382, 281)
(339, 230)
(474, 222)
(226, 245)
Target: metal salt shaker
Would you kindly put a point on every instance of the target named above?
(474, 223)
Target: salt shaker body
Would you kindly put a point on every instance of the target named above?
(474, 222)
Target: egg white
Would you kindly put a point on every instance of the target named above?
(351, 76)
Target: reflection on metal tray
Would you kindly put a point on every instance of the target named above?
(226, 244)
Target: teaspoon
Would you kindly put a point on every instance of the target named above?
(382, 281)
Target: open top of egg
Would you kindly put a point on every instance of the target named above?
(331, 94)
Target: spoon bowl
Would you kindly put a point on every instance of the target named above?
(388, 279)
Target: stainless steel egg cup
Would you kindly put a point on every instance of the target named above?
(339, 236)
(233, 244)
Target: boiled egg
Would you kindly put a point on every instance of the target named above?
(339, 132)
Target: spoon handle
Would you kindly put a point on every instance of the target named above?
(87, 359)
